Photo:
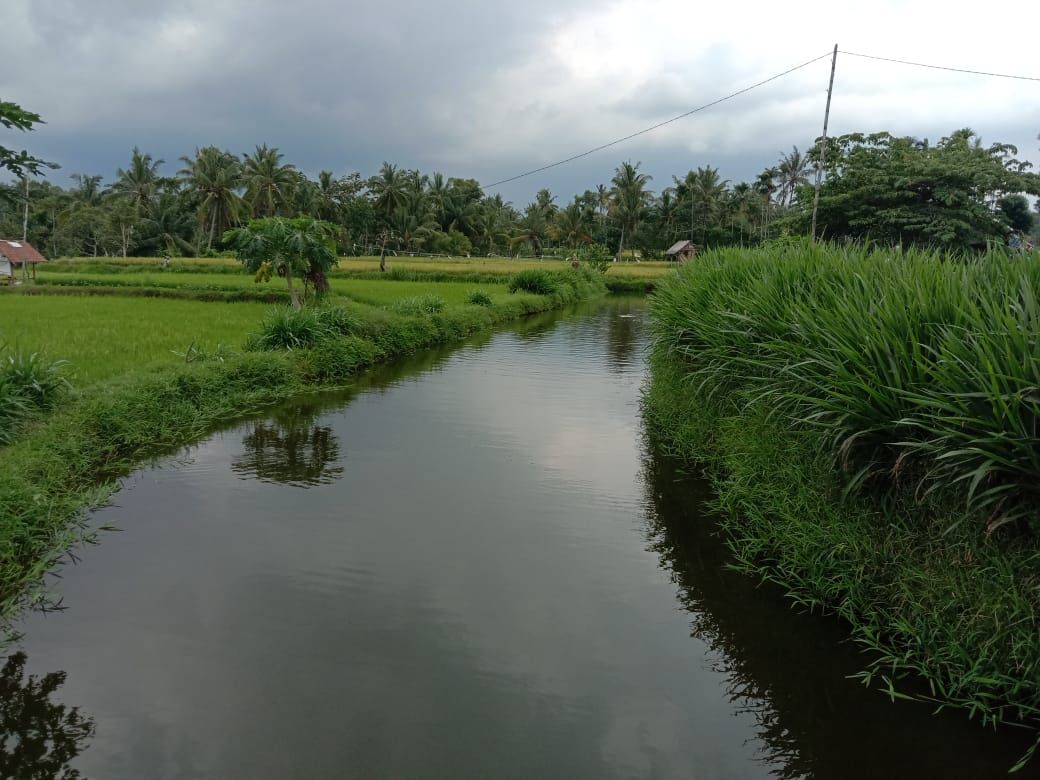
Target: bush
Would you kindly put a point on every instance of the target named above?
(420, 305)
(535, 281)
(479, 298)
(36, 378)
(336, 360)
(288, 328)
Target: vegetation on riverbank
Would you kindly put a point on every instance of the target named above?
(869, 421)
(70, 459)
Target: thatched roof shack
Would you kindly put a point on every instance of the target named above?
(15, 255)
(681, 251)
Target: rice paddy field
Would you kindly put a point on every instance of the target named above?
(105, 337)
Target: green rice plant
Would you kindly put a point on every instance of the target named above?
(534, 280)
(420, 305)
(479, 298)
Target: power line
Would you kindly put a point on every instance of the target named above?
(940, 67)
(658, 125)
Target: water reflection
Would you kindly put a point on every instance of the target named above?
(38, 737)
(289, 448)
(624, 332)
(791, 671)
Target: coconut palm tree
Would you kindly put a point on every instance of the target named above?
(572, 225)
(269, 183)
(88, 188)
(628, 198)
(213, 179)
(388, 189)
(140, 181)
(793, 171)
(765, 186)
(533, 229)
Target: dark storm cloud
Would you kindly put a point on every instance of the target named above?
(485, 88)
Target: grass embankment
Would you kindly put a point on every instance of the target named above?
(97, 273)
(68, 456)
(870, 421)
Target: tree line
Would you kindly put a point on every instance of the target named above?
(955, 193)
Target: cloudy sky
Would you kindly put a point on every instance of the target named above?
(491, 88)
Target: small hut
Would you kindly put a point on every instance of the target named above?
(17, 256)
(681, 251)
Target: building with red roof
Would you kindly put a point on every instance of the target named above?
(17, 256)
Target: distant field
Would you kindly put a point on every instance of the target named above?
(349, 265)
(106, 337)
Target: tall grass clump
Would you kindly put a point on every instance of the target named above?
(870, 419)
(288, 328)
(419, 305)
(479, 298)
(30, 382)
(534, 280)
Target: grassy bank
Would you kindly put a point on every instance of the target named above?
(69, 458)
(870, 423)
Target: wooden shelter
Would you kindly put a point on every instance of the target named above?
(17, 256)
(681, 251)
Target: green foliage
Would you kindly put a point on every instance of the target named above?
(534, 281)
(596, 256)
(479, 298)
(869, 419)
(301, 247)
(909, 192)
(290, 328)
(420, 305)
(912, 369)
(30, 383)
(20, 164)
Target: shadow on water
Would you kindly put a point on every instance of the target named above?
(791, 671)
(38, 737)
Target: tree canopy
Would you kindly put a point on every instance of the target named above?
(907, 191)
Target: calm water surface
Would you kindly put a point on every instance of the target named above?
(472, 566)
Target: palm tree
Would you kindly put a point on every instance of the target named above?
(88, 189)
(571, 225)
(269, 183)
(629, 198)
(793, 171)
(214, 178)
(139, 182)
(765, 186)
(533, 229)
(388, 189)
(602, 203)
(544, 200)
(706, 191)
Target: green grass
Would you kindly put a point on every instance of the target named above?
(869, 420)
(106, 337)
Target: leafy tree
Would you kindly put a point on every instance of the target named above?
(1015, 209)
(21, 164)
(572, 224)
(300, 247)
(906, 191)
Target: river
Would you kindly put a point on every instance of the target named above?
(472, 565)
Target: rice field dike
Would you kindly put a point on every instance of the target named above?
(91, 386)
(869, 419)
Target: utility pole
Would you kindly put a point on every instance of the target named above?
(25, 217)
(823, 144)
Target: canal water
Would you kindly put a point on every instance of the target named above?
(473, 565)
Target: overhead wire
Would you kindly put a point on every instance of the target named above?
(739, 92)
(939, 67)
(645, 130)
